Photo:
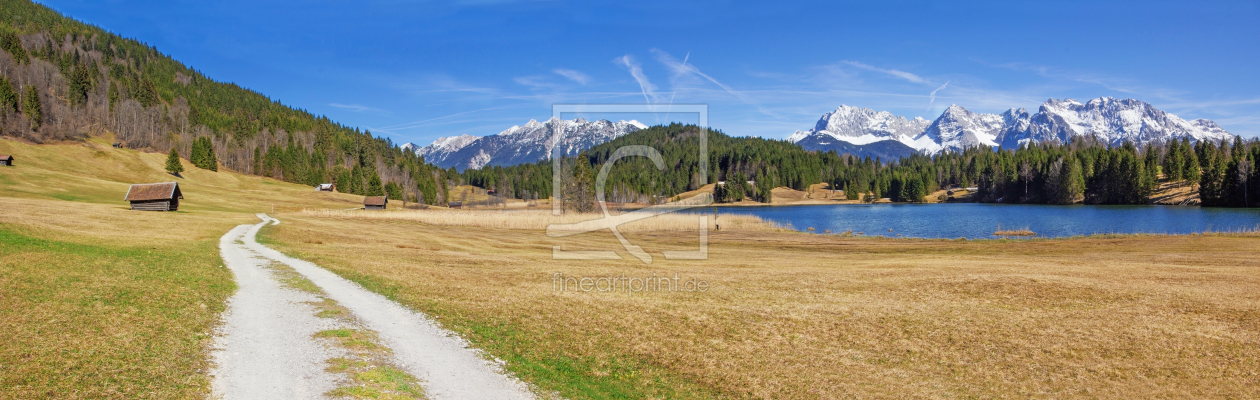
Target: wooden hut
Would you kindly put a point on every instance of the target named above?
(325, 187)
(155, 196)
(455, 204)
(6, 160)
(375, 202)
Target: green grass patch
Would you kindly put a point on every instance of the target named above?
(101, 321)
(375, 382)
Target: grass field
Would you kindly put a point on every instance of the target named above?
(799, 316)
(97, 301)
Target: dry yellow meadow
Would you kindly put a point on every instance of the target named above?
(802, 316)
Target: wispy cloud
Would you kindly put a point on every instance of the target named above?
(534, 82)
(573, 75)
(900, 74)
(636, 70)
(682, 68)
(932, 96)
(355, 107)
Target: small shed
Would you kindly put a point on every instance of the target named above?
(375, 202)
(6, 160)
(155, 196)
(325, 187)
(455, 204)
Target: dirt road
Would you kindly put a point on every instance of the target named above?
(266, 348)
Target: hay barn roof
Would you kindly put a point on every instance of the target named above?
(5, 157)
(153, 191)
(374, 201)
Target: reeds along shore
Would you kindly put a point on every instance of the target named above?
(540, 219)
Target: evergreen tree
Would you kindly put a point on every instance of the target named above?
(1174, 162)
(113, 93)
(197, 154)
(579, 193)
(32, 107)
(915, 190)
(393, 191)
(202, 154)
(374, 187)
(8, 96)
(1191, 168)
(173, 166)
(1073, 182)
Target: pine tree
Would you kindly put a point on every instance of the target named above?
(113, 93)
(197, 154)
(8, 96)
(173, 166)
(1191, 169)
(374, 187)
(1073, 182)
(32, 107)
(1174, 161)
(212, 161)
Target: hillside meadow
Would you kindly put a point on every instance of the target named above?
(97, 301)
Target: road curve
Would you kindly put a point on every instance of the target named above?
(444, 362)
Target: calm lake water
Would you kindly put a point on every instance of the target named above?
(973, 220)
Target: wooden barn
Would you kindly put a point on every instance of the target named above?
(325, 187)
(155, 196)
(6, 160)
(455, 204)
(375, 202)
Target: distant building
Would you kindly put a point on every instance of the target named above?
(6, 160)
(455, 204)
(154, 196)
(375, 202)
(118, 145)
(325, 187)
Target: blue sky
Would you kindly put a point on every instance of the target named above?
(417, 70)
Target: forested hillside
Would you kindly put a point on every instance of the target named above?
(61, 79)
(1084, 171)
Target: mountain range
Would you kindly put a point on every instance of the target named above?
(862, 131)
(522, 144)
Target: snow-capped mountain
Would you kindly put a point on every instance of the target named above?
(1113, 121)
(527, 143)
(863, 125)
(862, 131)
(442, 147)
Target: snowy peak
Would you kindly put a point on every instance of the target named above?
(531, 142)
(862, 126)
(1111, 120)
(958, 128)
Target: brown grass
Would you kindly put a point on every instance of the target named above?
(798, 316)
(540, 220)
(97, 301)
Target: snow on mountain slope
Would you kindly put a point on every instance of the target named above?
(527, 143)
(1111, 120)
(958, 128)
(863, 125)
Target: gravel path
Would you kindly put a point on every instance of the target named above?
(267, 350)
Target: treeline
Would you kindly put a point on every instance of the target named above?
(1084, 171)
(63, 79)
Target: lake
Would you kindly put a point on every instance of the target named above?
(975, 220)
